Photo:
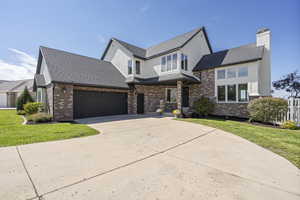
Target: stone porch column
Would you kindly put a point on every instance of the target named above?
(179, 95)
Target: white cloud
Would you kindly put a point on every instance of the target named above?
(145, 8)
(23, 67)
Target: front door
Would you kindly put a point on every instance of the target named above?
(185, 97)
(140, 103)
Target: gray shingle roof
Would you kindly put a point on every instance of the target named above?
(67, 67)
(136, 51)
(236, 55)
(164, 78)
(161, 48)
(173, 43)
(16, 86)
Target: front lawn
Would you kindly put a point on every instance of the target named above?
(281, 141)
(12, 132)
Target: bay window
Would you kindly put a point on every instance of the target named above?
(163, 64)
(137, 67)
(169, 58)
(171, 94)
(184, 62)
(174, 64)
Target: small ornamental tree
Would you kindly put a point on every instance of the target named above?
(24, 98)
(267, 109)
(204, 106)
(290, 83)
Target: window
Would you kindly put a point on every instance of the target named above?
(129, 66)
(221, 93)
(221, 74)
(174, 64)
(243, 92)
(184, 62)
(231, 73)
(163, 64)
(231, 92)
(39, 95)
(243, 71)
(137, 67)
(169, 62)
(171, 95)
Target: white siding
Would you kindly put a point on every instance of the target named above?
(45, 72)
(251, 79)
(119, 57)
(195, 49)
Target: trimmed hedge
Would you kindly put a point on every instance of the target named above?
(204, 106)
(32, 108)
(267, 109)
(39, 117)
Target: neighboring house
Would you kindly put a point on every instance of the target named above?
(10, 90)
(172, 74)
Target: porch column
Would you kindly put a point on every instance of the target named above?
(179, 95)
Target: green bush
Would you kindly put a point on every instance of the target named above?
(176, 112)
(204, 106)
(32, 108)
(24, 98)
(289, 125)
(267, 109)
(21, 112)
(39, 117)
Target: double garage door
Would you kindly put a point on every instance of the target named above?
(92, 103)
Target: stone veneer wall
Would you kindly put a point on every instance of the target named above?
(63, 102)
(152, 96)
(207, 89)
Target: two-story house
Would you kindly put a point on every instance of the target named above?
(173, 74)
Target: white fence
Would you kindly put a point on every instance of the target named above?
(293, 113)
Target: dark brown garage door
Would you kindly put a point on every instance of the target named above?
(92, 104)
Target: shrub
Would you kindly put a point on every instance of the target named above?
(267, 109)
(24, 98)
(21, 112)
(289, 125)
(204, 106)
(39, 117)
(32, 108)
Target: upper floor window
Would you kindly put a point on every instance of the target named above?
(129, 66)
(163, 64)
(174, 64)
(221, 74)
(137, 67)
(184, 62)
(243, 72)
(231, 73)
(169, 58)
(169, 63)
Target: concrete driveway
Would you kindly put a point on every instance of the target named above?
(147, 158)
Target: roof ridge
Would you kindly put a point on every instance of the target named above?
(232, 48)
(196, 29)
(127, 43)
(75, 54)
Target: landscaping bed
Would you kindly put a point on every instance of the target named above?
(12, 132)
(281, 141)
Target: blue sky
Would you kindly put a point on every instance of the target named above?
(84, 27)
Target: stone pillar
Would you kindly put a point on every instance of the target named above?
(63, 102)
(179, 95)
(131, 102)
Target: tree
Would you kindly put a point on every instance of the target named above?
(24, 98)
(290, 83)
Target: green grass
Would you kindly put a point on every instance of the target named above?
(12, 132)
(281, 141)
